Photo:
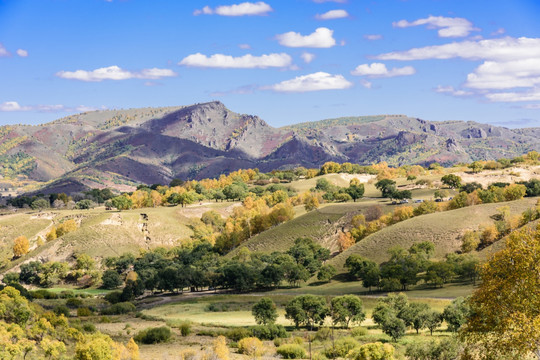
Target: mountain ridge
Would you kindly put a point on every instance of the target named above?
(118, 148)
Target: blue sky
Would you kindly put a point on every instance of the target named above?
(287, 61)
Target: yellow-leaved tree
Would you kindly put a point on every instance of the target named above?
(505, 310)
(20, 246)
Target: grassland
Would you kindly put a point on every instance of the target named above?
(444, 229)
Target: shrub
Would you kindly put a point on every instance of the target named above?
(251, 346)
(89, 327)
(185, 328)
(84, 311)
(66, 294)
(61, 310)
(114, 297)
(119, 308)
(43, 294)
(291, 351)
(269, 332)
(238, 334)
(470, 241)
(342, 347)
(373, 351)
(323, 334)
(153, 335)
(359, 331)
(73, 303)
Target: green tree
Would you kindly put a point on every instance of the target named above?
(111, 279)
(122, 202)
(326, 273)
(394, 327)
(355, 191)
(347, 309)
(40, 204)
(307, 310)
(387, 187)
(456, 313)
(451, 180)
(433, 320)
(476, 166)
(265, 311)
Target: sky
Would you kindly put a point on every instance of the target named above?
(287, 61)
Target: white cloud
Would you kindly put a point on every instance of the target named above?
(321, 38)
(243, 62)
(3, 51)
(10, 106)
(308, 57)
(504, 49)
(515, 96)
(449, 90)
(448, 27)
(115, 73)
(312, 82)
(244, 46)
(531, 106)
(366, 84)
(332, 14)
(505, 74)
(375, 70)
(508, 63)
(244, 9)
(22, 53)
(372, 37)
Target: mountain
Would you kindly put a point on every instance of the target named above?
(118, 148)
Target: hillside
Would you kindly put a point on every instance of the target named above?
(119, 148)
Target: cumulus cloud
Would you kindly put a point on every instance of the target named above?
(448, 27)
(332, 14)
(12, 106)
(115, 73)
(244, 9)
(372, 37)
(242, 62)
(321, 38)
(312, 82)
(244, 46)
(3, 51)
(22, 52)
(508, 63)
(308, 57)
(379, 70)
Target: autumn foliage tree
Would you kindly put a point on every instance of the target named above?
(20, 246)
(505, 310)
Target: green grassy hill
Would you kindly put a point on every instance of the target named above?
(444, 229)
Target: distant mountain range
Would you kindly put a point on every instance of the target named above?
(154, 145)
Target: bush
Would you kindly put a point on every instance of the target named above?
(185, 328)
(269, 332)
(114, 297)
(43, 294)
(323, 334)
(119, 308)
(359, 331)
(84, 311)
(73, 303)
(89, 327)
(66, 294)
(251, 346)
(153, 335)
(61, 310)
(342, 347)
(238, 334)
(291, 351)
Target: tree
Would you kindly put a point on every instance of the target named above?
(451, 180)
(306, 310)
(122, 202)
(476, 166)
(456, 314)
(40, 204)
(364, 269)
(265, 311)
(85, 204)
(394, 327)
(21, 245)
(347, 309)
(111, 279)
(355, 191)
(326, 273)
(94, 347)
(387, 187)
(504, 309)
(432, 320)
(413, 315)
